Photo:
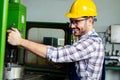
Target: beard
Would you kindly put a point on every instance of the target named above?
(79, 32)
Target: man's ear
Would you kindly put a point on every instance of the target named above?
(91, 20)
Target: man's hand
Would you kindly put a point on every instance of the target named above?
(14, 37)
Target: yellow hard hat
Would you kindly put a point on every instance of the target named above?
(81, 8)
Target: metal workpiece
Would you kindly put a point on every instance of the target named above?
(13, 72)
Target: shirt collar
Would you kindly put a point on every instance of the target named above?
(90, 33)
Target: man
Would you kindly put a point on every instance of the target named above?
(87, 53)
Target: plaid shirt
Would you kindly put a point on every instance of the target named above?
(87, 53)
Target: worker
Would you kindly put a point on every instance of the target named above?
(87, 53)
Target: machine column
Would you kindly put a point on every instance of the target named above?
(3, 25)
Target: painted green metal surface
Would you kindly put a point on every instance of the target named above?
(3, 24)
(17, 17)
(14, 1)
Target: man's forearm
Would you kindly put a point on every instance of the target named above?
(36, 48)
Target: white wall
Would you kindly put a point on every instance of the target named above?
(54, 11)
(108, 13)
(47, 10)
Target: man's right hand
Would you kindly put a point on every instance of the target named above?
(14, 37)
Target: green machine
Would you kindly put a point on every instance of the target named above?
(12, 14)
(17, 19)
(17, 16)
(3, 24)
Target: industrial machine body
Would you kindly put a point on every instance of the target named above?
(12, 14)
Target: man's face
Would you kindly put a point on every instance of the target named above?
(80, 26)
